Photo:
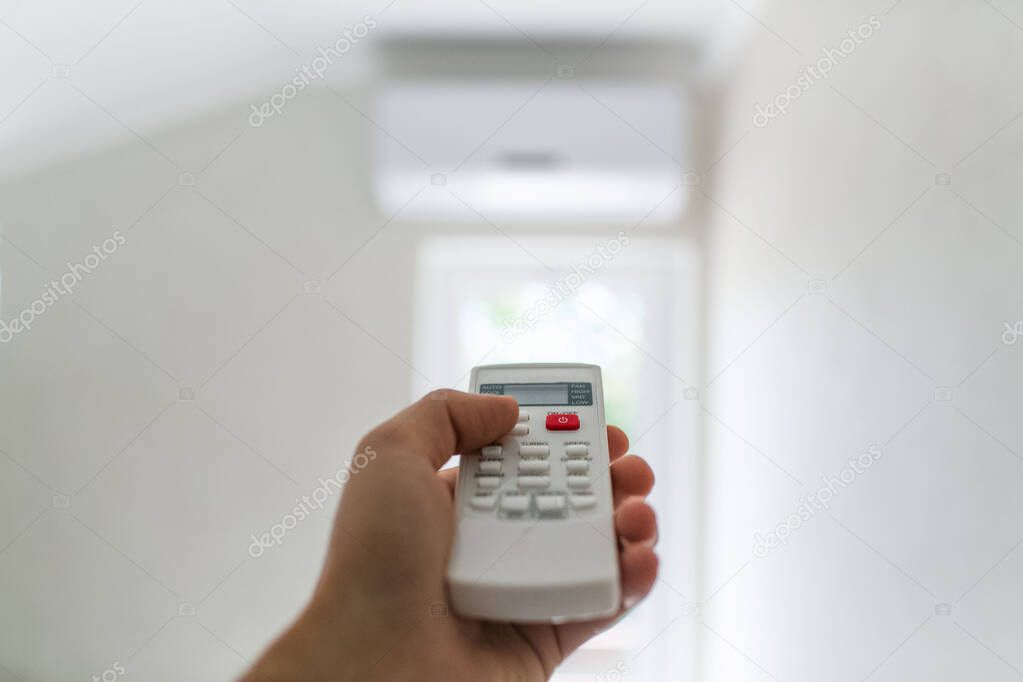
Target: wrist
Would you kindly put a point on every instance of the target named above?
(335, 640)
(316, 646)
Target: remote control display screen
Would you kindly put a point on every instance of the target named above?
(538, 394)
(544, 394)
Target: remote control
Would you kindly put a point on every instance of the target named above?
(535, 539)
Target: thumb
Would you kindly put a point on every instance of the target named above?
(445, 422)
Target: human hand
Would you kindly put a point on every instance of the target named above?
(370, 615)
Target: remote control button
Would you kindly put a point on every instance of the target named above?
(577, 450)
(546, 504)
(523, 416)
(577, 481)
(520, 430)
(515, 504)
(534, 466)
(491, 451)
(483, 502)
(583, 501)
(534, 482)
(534, 450)
(488, 482)
(490, 466)
(562, 422)
(577, 466)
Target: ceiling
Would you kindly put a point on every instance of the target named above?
(148, 65)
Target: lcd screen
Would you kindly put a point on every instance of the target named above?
(538, 394)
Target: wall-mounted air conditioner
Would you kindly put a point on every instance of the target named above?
(562, 149)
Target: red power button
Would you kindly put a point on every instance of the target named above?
(562, 422)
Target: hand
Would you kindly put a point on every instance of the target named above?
(369, 617)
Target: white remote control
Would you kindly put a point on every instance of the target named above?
(535, 538)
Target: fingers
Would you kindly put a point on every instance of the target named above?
(450, 477)
(631, 476)
(635, 522)
(617, 442)
(639, 571)
(445, 422)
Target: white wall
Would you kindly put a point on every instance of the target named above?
(919, 279)
(97, 380)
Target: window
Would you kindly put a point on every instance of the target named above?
(635, 316)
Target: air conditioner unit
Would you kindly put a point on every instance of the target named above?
(550, 150)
